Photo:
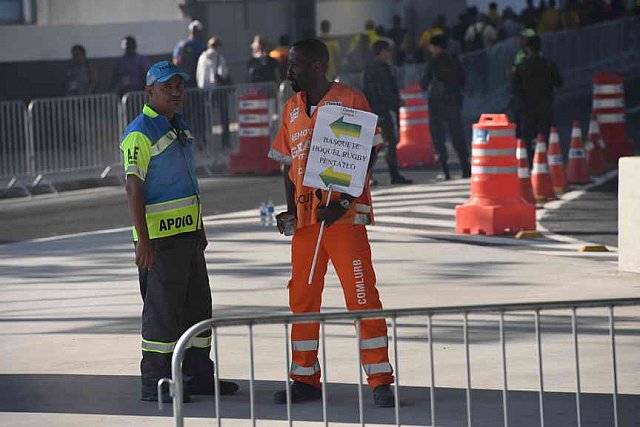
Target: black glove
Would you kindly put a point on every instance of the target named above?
(332, 213)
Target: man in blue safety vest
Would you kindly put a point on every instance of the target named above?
(164, 204)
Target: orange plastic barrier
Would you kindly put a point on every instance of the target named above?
(556, 165)
(415, 147)
(577, 171)
(495, 205)
(524, 176)
(608, 106)
(540, 177)
(595, 148)
(254, 137)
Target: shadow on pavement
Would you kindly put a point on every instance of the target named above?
(118, 395)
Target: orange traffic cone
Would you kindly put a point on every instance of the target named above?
(556, 166)
(595, 148)
(540, 178)
(577, 172)
(526, 192)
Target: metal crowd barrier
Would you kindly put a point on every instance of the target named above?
(74, 133)
(176, 385)
(14, 151)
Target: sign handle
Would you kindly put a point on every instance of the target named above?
(315, 254)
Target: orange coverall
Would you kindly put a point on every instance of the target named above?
(345, 243)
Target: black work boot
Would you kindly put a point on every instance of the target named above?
(383, 396)
(226, 388)
(149, 395)
(399, 179)
(300, 392)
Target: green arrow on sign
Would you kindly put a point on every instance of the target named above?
(340, 127)
(329, 177)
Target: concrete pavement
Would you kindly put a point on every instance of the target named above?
(69, 316)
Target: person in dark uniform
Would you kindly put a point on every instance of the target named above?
(533, 81)
(381, 90)
(443, 81)
(164, 204)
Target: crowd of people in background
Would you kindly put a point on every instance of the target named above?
(473, 30)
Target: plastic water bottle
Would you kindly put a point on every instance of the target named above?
(263, 214)
(271, 214)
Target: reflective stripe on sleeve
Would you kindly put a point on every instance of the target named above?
(279, 157)
(377, 368)
(305, 345)
(158, 347)
(132, 169)
(607, 89)
(361, 207)
(540, 168)
(493, 170)
(373, 343)
(174, 204)
(303, 370)
(362, 219)
(492, 152)
(163, 143)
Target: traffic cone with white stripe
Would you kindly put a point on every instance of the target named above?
(595, 148)
(556, 166)
(577, 171)
(524, 176)
(540, 178)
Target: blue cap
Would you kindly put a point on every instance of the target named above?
(162, 71)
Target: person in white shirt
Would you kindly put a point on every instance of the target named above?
(211, 73)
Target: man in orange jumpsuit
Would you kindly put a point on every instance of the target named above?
(345, 240)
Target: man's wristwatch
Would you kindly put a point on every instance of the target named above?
(345, 203)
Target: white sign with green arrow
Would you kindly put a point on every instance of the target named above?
(340, 149)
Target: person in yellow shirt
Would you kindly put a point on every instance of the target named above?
(436, 29)
(334, 49)
(550, 18)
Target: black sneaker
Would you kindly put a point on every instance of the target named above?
(226, 388)
(300, 392)
(383, 396)
(400, 180)
(443, 176)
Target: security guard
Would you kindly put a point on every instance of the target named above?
(381, 89)
(164, 204)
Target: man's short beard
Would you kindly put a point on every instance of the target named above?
(294, 86)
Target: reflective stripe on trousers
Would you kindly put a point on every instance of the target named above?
(168, 347)
(304, 370)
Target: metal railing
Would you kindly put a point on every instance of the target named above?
(176, 384)
(73, 133)
(14, 151)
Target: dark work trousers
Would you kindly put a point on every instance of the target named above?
(389, 133)
(176, 295)
(535, 120)
(443, 117)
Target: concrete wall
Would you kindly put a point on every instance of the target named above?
(58, 12)
(629, 215)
